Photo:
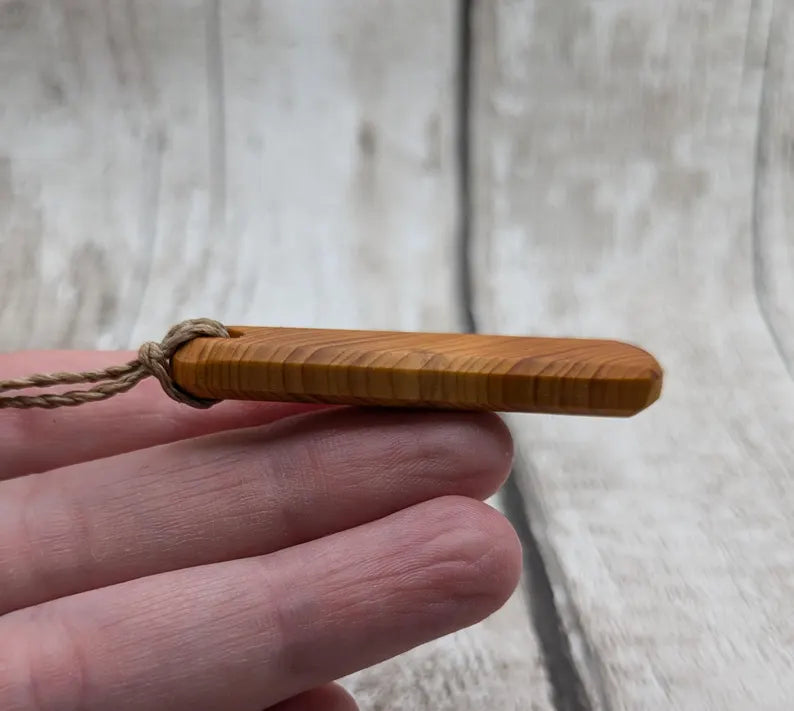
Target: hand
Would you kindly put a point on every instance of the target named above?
(158, 557)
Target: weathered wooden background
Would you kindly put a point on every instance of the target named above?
(552, 167)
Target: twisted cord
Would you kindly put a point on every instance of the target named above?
(154, 360)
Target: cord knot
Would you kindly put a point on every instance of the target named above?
(154, 359)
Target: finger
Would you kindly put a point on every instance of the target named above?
(235, 494)
(143, 417)
(330, 697)
(249, 633)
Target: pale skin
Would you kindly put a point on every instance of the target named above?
(153, 556)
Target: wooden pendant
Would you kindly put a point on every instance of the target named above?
(421, 370)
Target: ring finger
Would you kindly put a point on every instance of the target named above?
(246, 634)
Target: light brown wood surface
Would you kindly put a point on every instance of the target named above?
(437, 370)
(634, 181)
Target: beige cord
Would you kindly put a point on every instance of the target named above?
(154, 359)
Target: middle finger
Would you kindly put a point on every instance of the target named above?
(234, 495)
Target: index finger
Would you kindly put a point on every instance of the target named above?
(38, 440)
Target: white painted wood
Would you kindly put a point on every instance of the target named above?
(773, 214)
(186, 157)
(285, 163)
(615, 190)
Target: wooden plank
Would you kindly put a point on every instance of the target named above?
(274, 163)
(773, 209)
(211, 149)
(616, 197)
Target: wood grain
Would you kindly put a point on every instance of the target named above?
(616, 167)
(283, 162)
(287, 163)
(773, 207)
(441, 370)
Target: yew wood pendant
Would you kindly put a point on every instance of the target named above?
(421, 370)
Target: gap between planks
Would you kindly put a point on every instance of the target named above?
(568, 692)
